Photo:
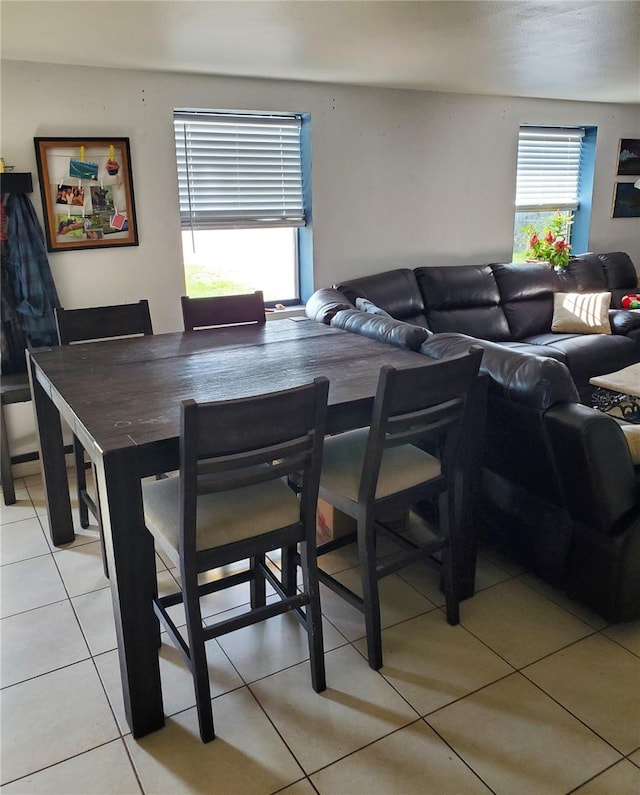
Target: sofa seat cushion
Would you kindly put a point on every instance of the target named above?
(587, 355)
(394, 291)
(537, 350)
(383, 329)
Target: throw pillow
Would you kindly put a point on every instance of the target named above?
(581, 313)
(364, 305)
(632, 435)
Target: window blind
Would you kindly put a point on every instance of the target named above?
(238, 170)
(548, 168)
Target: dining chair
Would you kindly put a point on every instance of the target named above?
(89, 325)
(231, 502)
(223, 310)
(375, 474)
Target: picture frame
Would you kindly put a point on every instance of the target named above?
(628, 157)
(626, 201)
(86, 186)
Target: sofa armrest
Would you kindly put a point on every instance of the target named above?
(324, 304)
(537, 382)
(595, 467)
(624, 320)
(383, 329)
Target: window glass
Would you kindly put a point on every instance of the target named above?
(228, 261)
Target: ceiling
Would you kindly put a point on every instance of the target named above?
(559, 49)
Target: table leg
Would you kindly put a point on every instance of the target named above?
(54, 469)
(8, 489)
(132, 572)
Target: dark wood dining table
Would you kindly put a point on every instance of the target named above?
(122, 400)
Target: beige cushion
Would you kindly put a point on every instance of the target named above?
(581, 313)
(402, 467)
(632, 435)
(221, 518)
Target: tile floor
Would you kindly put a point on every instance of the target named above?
(530, 694)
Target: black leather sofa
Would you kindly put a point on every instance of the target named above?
(559, 490)
(512, 304)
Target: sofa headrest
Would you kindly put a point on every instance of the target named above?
(324, 304)
(394, 291)
(383, 329)
(533, 381)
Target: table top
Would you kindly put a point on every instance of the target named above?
(626, 381)
(127, 392)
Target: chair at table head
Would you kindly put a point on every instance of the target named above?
(89, 325)
(232, 503)
(223, 310)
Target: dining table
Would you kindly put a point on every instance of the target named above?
(122, 399)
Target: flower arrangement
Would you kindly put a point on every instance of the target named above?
(551, 244)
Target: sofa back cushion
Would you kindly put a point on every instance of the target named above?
(620, 274)
(613, 272)
(394, 291)
(463, 298)
(526, 293)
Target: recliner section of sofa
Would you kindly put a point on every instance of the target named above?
(602, 495)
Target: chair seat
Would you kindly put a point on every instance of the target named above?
(224, 517)
(402, 467)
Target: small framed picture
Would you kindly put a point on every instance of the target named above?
(629, 157)
(626, 201)
(87, 192)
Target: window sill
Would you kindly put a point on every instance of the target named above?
(290, 311)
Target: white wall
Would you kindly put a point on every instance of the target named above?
(399, 178)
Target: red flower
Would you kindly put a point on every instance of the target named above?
(534, 240)
(561, 245)
(549, 237)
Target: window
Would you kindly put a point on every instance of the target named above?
(550, 176)
(240, 184)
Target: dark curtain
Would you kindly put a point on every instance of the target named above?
(29, 294)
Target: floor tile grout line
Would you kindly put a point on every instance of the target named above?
(459, 755)
(617, 642)
(62, 761)
(553, 602)
(277, 731)
(599, 773)
(366, 745)
(576, 717)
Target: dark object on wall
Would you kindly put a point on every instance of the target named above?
(16, 182)
(626, 201)
(629, 156)
(29, 294)
(87, 192)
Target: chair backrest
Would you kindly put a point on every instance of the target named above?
(419, 404)
(228, 444)
(222, 310)
(102, 322)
